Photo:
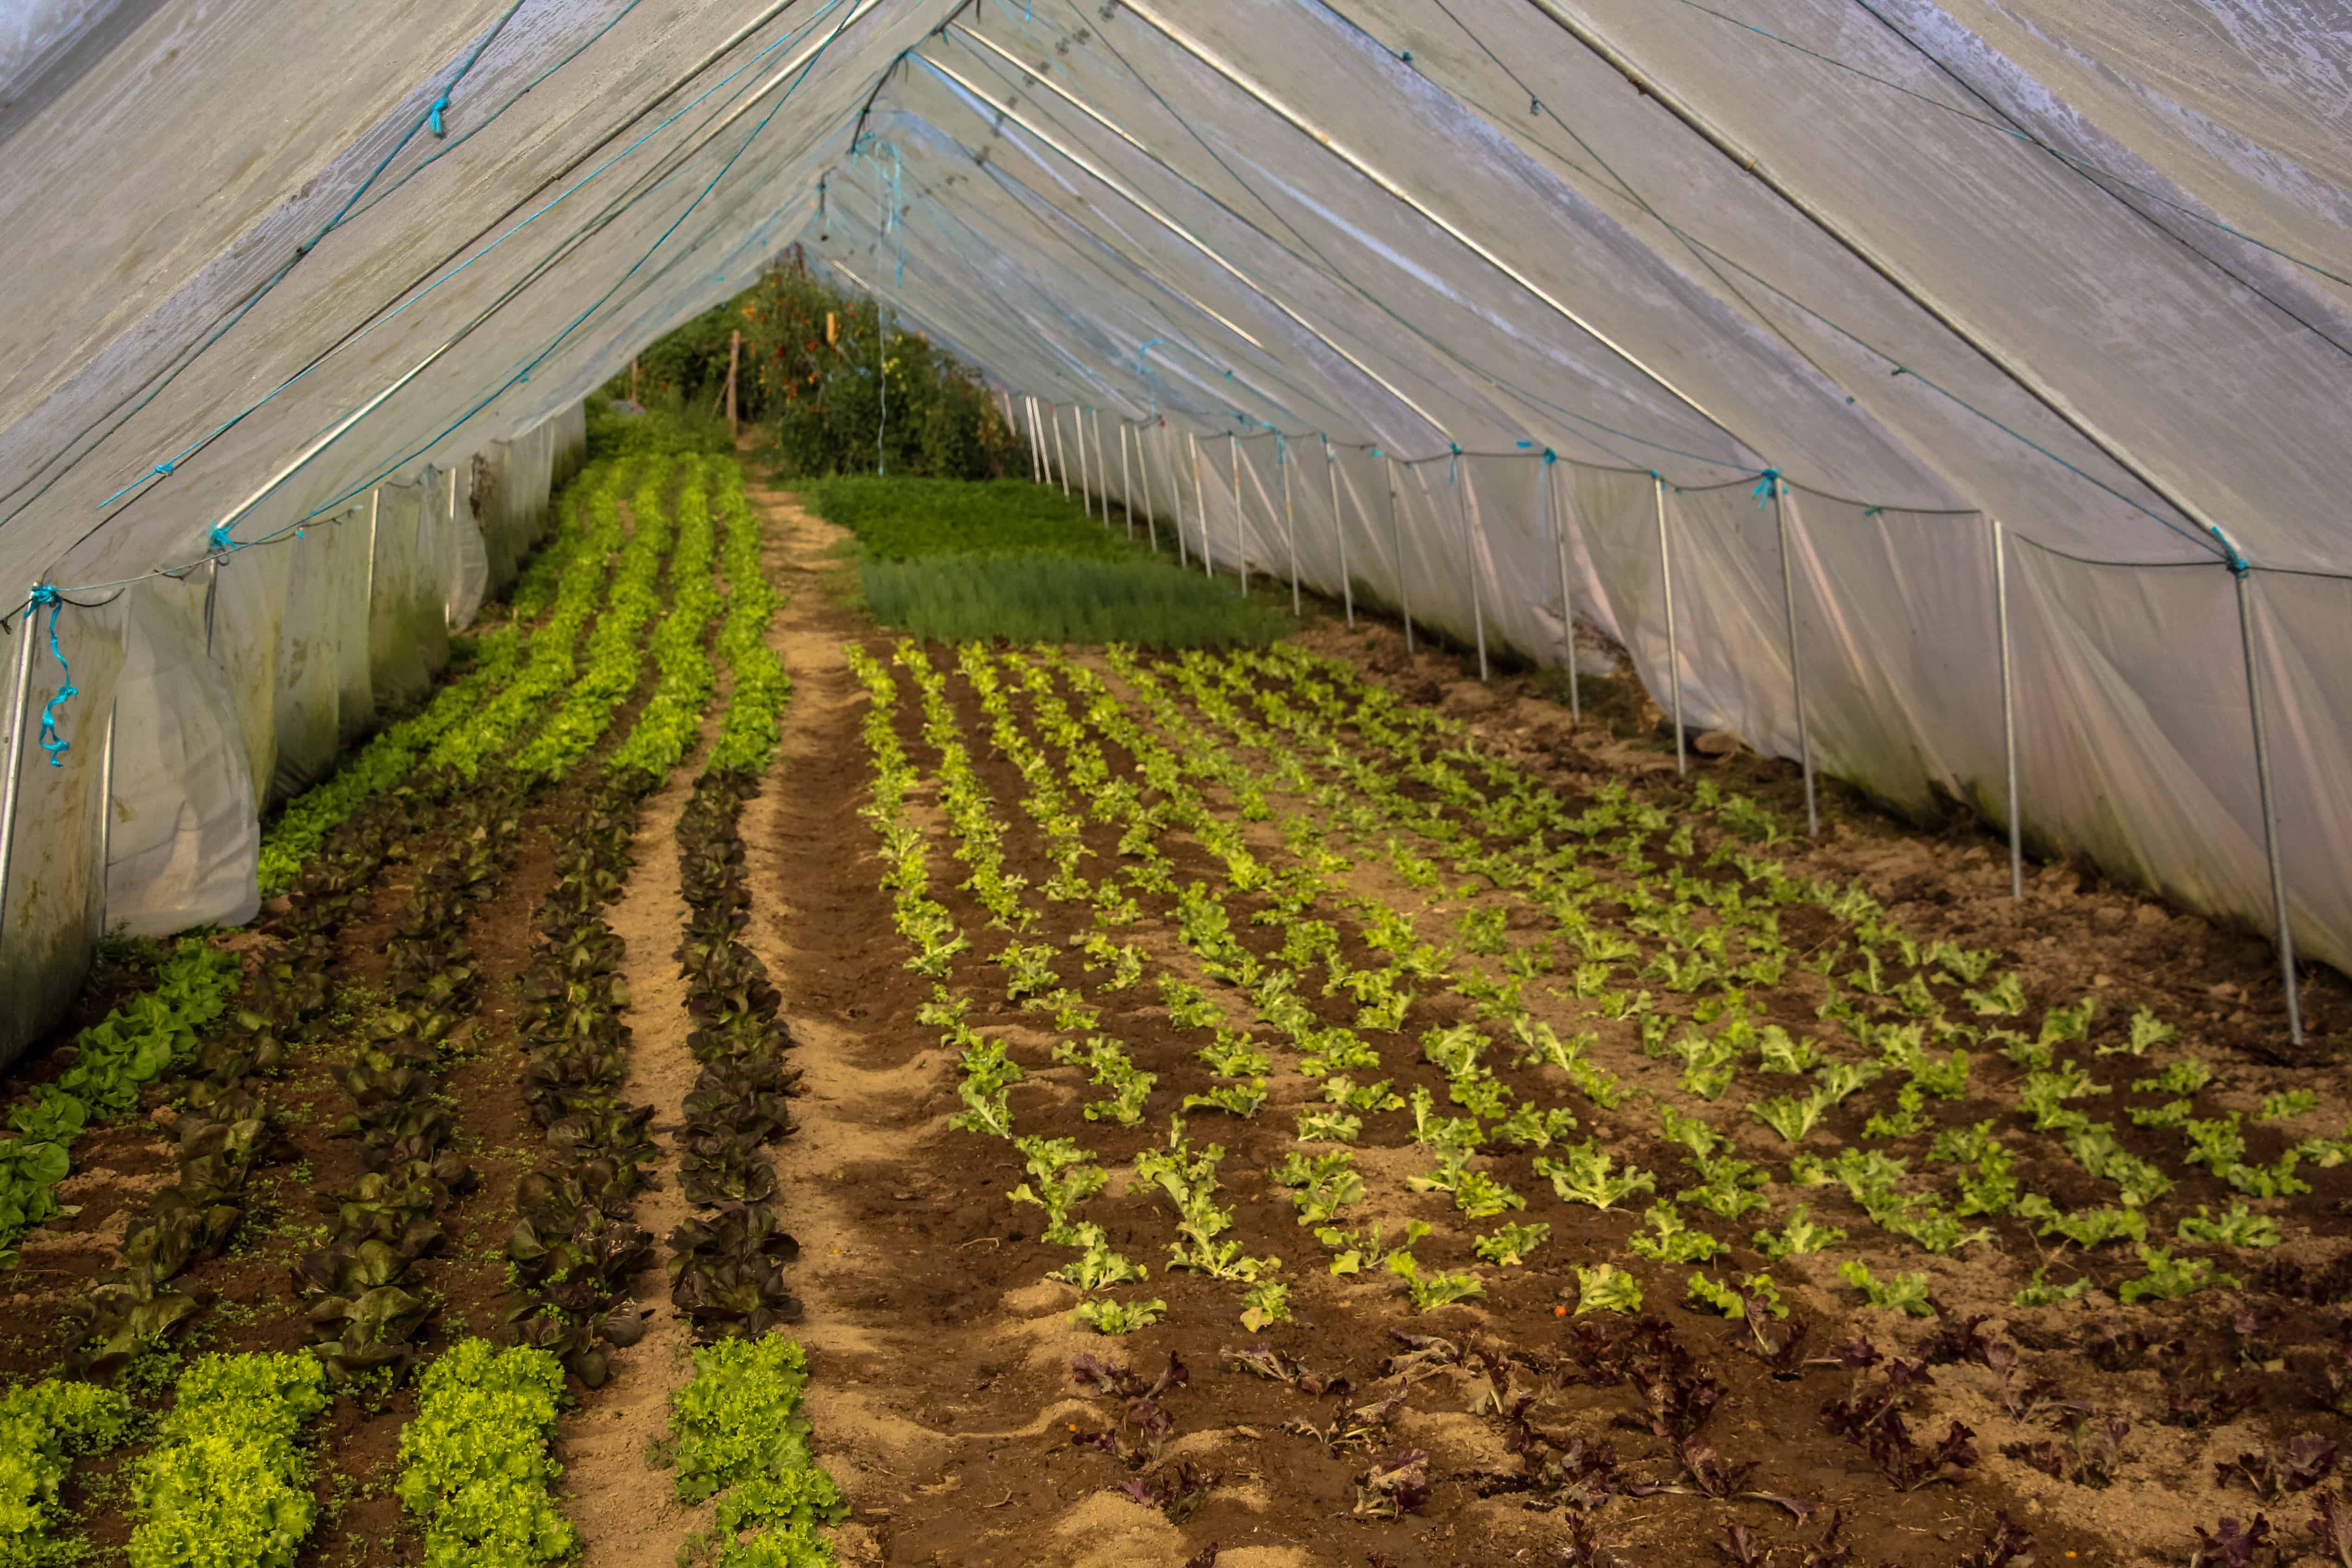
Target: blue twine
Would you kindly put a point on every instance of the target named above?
(51, 743)
(433, 115)
(1550, 455)
(1768, 487)
(1453, 461)
(218, 536)
(2238, 565)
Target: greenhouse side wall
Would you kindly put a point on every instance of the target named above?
(229, 690)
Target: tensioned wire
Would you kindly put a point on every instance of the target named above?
(1341, 276)
(420, 294)
(2081, 165)
(939, 213)
(1071, 228)
(522, 373)
(430, 118)
(587, 154)
(1337, 275)
(1702, 249)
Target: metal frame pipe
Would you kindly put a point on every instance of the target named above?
(1396, 536)
(1674, 642)
(1126, 483)
(1289, 519)
(1085, 496)
(1240, 542)
(1467, 508)
(1102, 468)
(1339, 531)
(2008, 712)
(1555, 516)
(19, 686)
(1200, 503)
(1061, 453)
(106, 808)
(1782, 505)
(2264, 785)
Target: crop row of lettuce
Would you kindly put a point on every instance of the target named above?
(143, 1039)
(737, 1433)
(1628, 950)
(1551, 880)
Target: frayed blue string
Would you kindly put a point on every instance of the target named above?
(51, 742)
(1768, 487)
(433, 115)
(218, 536)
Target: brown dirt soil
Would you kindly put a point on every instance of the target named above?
(942, 1395)
(626, 1511)
(943, 1392)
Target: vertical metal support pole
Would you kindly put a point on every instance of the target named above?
(1461, 504)
(1289, 517)
(1102, 468)
(1553, 513)
(1151, 520)
(1781, 508)
(18, 688)
(1396, 539)
(1241, 545)
(1674, 645)
(1126, 483)
(1061, 453)
(1199, 503)
(2270, 808)
(1036, 440)
(106, 811)
(2008, 712)
(1175, 494)
(1085, 496)
(1339, 531)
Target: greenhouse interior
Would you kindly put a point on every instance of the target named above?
(1082, 783)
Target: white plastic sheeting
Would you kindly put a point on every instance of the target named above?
(2075, 266)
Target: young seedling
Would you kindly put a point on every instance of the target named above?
(1669, 1240)
(1511, 1243)
(1903, 1293)
(1116, 1318)
(1604, 1286)
(1799, 1237)
(1589, 1176)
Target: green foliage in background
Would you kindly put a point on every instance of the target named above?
(841, 388)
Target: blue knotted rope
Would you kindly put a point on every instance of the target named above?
(433, 115)
(51, 743)
(1768, 487)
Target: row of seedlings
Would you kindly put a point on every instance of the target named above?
(727, 1269)
(574, 1247)
(1898, 1020)
(361, 1285)
(1678, 1390)
(155, 1033)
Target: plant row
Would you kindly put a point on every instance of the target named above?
(737, 1434)
(140, 1040)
